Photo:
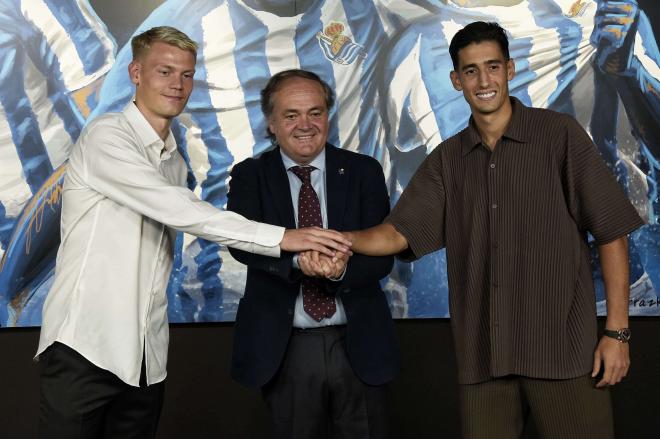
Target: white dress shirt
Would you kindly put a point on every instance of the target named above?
(123, 196)
(300, 317)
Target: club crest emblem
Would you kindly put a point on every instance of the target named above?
(337, 47)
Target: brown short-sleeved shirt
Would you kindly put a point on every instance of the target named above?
(515, 222)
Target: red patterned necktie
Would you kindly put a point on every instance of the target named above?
(315, 302)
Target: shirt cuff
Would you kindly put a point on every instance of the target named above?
(340, 278)
(267, 239)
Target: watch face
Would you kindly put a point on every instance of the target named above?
(625, 334)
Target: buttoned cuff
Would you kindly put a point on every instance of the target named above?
(267, 239)
(340, 278)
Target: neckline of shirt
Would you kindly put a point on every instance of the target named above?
(146, 132)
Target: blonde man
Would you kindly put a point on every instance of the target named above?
(103, 346)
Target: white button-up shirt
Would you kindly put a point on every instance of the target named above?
(123, 196)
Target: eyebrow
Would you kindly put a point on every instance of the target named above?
(489, 62)
(293, 110)
(171, 67)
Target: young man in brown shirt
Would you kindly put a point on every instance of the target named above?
(512, 198)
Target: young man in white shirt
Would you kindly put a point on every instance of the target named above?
(103, 345)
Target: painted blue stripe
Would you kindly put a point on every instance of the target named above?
(368, 32)
(449, 107)
(49, 65)
(406, 137)
(519, 50)
(312, 58)
(33, 44)
(251, 67)
(22, 120)
(89, 46)
(117, 89)
(214, 187)
(550, 16)
(6, 227)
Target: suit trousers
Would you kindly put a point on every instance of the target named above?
(566, 409)
(82, 401)
(316, 395)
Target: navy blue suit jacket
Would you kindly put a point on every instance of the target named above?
(356, 198)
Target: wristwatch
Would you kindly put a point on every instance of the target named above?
(623, 334)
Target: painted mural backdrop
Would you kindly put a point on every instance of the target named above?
(61, 66)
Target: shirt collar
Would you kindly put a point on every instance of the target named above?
(516, 130)
(146, 132)
(318, 162)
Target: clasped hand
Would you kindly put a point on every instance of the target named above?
(315, 264)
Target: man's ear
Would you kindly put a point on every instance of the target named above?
(455, 80)
(134, 72)
(270, 124)
(510, 69)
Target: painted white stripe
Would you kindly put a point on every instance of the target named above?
(544, 61)
(57, 141)
(347, 82)
(14, 191)
(404, 10)
(225, 90)
(71, 65)
(639, 51)
(197, 151)
(280, 40)
(101, 31)
(408, 78)
(544, 51)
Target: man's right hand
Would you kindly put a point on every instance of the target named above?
(325, 241)
(314, 264)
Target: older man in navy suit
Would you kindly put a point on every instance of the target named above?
(314, 333)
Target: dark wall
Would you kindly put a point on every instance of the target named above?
(202, 402)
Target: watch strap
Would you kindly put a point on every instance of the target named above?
(622, 335)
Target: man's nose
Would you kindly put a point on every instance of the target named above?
(483, 78)
(303, 122)
(177, 82)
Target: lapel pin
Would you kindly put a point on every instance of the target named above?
(341, 171)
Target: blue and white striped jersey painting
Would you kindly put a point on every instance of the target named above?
(388, 62)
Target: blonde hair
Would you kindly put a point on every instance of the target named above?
(140, 44)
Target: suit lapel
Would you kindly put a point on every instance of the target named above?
(336, 180)
(278, 183)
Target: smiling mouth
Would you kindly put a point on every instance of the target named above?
(306, 137)
(486, 95)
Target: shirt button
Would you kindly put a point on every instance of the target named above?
(492, 166)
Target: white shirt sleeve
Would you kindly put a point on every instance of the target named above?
(116, 167)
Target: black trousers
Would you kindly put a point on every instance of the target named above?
(561, 409)
(82, 401)
(316, 394)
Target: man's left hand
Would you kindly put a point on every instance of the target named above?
(614, 358)
(315, 264)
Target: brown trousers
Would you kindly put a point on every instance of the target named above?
(561, 409)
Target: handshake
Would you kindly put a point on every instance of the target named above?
(321, 252)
